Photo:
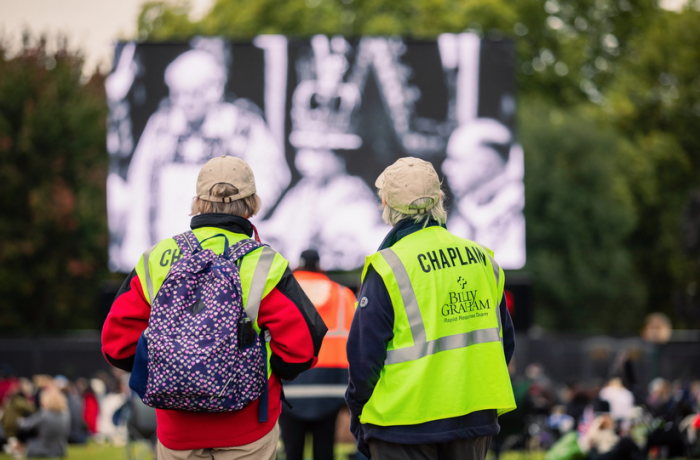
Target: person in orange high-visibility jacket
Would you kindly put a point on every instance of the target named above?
(317, 395)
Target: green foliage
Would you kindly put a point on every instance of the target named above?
(160, 21)
(568, 50)
(655, 99)
(578, 221)
(658, 87)
(53, 234)
(104, 451)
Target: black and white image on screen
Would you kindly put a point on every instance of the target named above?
(193, 124)
(317, 120)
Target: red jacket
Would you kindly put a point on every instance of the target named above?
(91, 410)
(296, 330)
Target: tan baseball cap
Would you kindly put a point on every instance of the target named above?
(406, 181)
(225, 170)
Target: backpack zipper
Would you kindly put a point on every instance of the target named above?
(223, 389)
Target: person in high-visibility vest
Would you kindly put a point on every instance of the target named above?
(431, 339)
(316, 396)
(226, 199)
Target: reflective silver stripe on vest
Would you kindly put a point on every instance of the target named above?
(315, 391)
(497, 274)
(410, 303)
(339, 330)
(451, 342)
(257, 285)
(494, 264)
(147, 271)
(423, 347)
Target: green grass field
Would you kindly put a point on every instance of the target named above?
(94, 451)
(102, 452)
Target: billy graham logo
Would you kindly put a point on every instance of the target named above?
(464, 301)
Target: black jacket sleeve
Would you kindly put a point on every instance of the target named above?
(508, 330)
(372, 329)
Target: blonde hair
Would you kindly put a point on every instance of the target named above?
(392, 217)
(245, 207)
(53, 399)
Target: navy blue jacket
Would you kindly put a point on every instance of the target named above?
(372, 329)
(314, 409)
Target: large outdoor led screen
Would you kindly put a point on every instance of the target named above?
(318, 121)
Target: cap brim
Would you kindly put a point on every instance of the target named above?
(379, 183)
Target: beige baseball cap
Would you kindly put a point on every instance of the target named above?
(225, 170)
(408, 180)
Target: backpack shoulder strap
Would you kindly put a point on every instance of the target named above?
(187, 243)
(242, 248)
(262, 269)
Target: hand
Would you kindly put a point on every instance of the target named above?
(356, 430)
(363, 447)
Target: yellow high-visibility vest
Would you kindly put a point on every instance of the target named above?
(446, 358)
(260, 270)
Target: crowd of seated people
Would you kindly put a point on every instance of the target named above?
(602, 419)
(41, 416)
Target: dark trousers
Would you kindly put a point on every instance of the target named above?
(294, 434)
(462, 449)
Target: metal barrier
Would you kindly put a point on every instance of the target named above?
(74, 357)
(588, 358)
(565, 359)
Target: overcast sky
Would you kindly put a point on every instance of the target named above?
(94, 25)
(91, 25)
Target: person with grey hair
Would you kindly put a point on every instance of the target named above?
(431, 339)
(484, 170)
(193, 125)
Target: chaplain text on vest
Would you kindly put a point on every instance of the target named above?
(450, 257)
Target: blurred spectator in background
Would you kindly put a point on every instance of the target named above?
(657, 328)
(624, 367)
(670, 404)
(621, 400)
(110, 401)
(659, 396)
(596, 403)
(603, 442)
(541, 391)
(91, 407)
(579, 398)
(18, 404)
(8, 380)
(51, 424)
(560, 422)
(78, 428)
(40, 381)
(695, 394)
(317, 395)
